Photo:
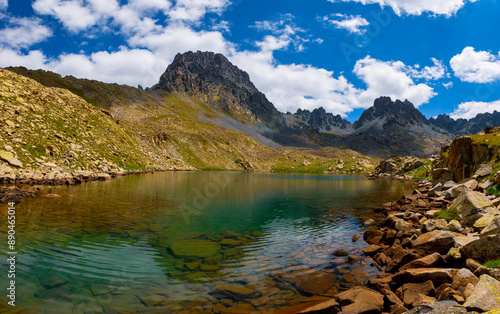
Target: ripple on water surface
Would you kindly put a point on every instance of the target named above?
(186, 241)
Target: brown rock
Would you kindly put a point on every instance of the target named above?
(310, 281)
(52, 195)
(355, 238)
(361, 300)
(372, 249)
(414, 294)
(486, 295)
(432, 260)
(330, 306)
(436, 241)
(374, 236)
(483, 249)
(417, 275)
(462, 278)
(340, 252)
(236, 291)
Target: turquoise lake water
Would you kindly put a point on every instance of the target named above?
(192, 241)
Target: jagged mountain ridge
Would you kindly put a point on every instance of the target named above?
(318, 119)
(228, 87)
(463, 126)
(229, 99)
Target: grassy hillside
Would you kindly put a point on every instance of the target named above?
(113, 127)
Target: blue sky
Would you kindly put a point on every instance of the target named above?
(442, 55)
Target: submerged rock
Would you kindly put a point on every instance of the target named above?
(236, 291)
(195, 248)
(310, 281)
(441, 307)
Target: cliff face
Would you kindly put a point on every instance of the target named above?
(222, 83)
(320, 120)
(465, 155)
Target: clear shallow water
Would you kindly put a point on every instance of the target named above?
(167, 242)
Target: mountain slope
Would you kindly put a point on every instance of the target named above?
(222, 84)
(463, 126)
(318, 119)
(397, 128)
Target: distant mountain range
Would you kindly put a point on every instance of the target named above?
(387, 128)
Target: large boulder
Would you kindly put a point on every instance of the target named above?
(310, 281)
(463, 277)
(471, 205)
(483, 249)
(195, 248)
(483, 170)
(438, 276)
(492, 228)
(441, 175)
(432, 260)
(485, 296)
(439, 241)
(361, 300)
(414, 294)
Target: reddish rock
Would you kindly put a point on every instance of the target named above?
(432, 260)
(361, 300)
(416, 275)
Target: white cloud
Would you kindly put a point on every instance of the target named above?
(417, 7)
(35, 59)
(174, 39)
(24, 32)
(3, 5)
(194, 10)
(294, 86)
(390, 79)
(428, 73)
(476, 66)
(354, 24)
(448, 85)
(470, 109)
(73, 14)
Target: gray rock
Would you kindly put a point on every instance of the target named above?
(441, 307)
(492, 228)
(471, 206)
(454, 226)
(402, 225)
(449, 184)
(485, 296)
(483, 249)
(483, 170)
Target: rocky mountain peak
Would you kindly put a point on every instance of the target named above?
(212, 76)
(401, 113)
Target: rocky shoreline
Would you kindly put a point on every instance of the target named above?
(432, 265)
(19, 183)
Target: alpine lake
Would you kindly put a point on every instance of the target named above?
(209, 242)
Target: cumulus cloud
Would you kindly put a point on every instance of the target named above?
(3, 4)
(435, 72)
(417, 7)
(354, 24)
(24, 32)
(73, 14)
(194, 10)
(35, 59)
(476, 66)
(470, 109)
(391, 78)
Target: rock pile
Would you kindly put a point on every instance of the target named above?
(432, 264)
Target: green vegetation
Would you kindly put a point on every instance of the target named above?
(493, 264)
(494, 189)
(449, 214)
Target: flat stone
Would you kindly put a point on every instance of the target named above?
(416, 275)
(52, 195)
(485, 296)
(330, 306)
(415, 294)
(100, 289)
(310, 281)
(236, 291)
(435, 241)
(484, 170)
(151, 299)
(9, 158)
(361, 300)
(432, 260)
(51, 280)
(195, 248)
(230, 242)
